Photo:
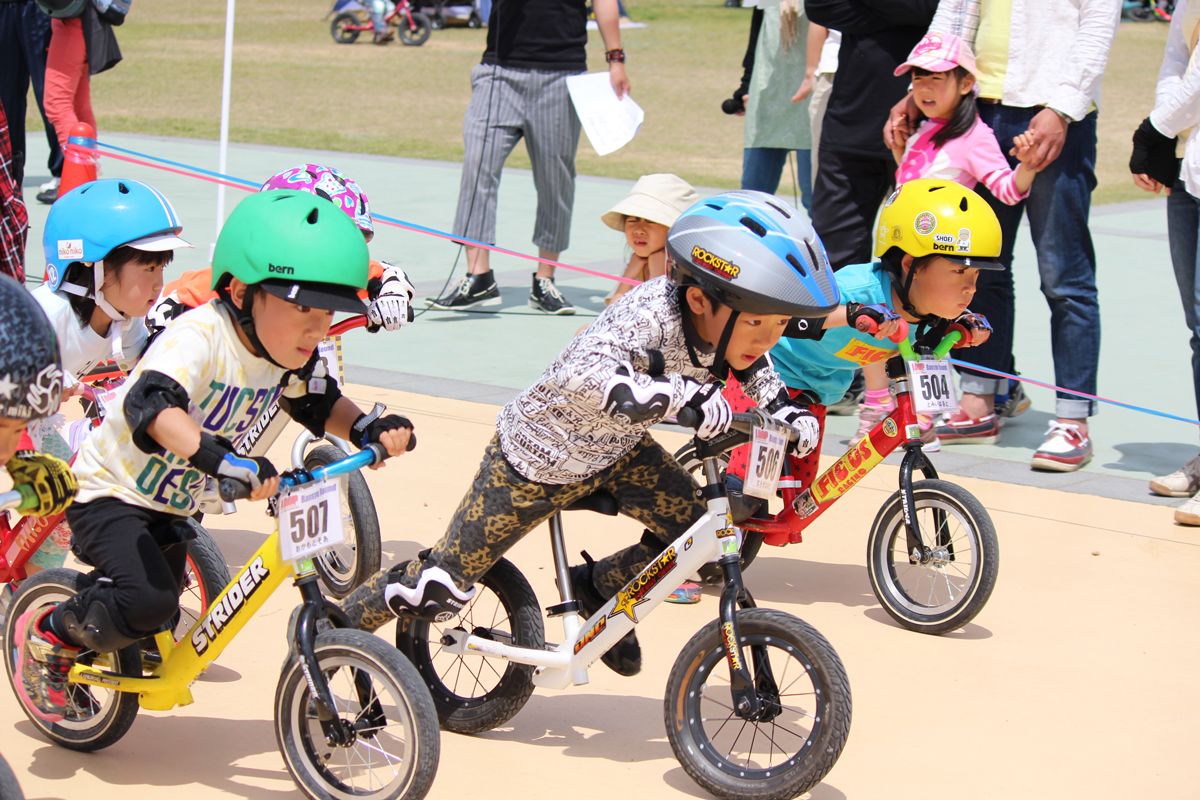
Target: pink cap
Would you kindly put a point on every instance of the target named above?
(939, 52)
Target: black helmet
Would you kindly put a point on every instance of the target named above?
(31, 376)
(754, 253)
(62, 9)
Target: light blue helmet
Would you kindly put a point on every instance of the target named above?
(754, 253)
(90, 221)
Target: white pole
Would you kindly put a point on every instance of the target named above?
(224, 146)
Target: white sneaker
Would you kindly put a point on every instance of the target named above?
(1189, 512)
(1181, 483)
(50, 184)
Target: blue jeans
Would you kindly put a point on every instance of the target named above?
(1183, 232)
(762, 167)
(1058, 206)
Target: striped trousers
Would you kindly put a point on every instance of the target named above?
(506, 105)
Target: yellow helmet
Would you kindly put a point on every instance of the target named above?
(933, 217)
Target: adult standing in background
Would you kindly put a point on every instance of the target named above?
(24, 43)
(14, 217)
(1040, 65)
(520, 90)
(1170, 133)
(856, 171)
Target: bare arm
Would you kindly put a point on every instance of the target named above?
(608, 20)
(812, 57)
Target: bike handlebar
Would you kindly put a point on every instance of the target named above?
(22, 498)
(348, 324)
(742, 422)
(868, 325)
(369, 456)
(945, 346)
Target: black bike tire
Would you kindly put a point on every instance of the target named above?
(344, 36)
(122, 708)
(368, 542)
(759, 627)
(207, 566)
(751, 540)
(419, 33)
(292, 704)
(10, 787)
(889, 522)
(499, 704)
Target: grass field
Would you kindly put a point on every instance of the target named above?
(294, 86)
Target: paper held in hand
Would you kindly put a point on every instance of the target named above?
(609, 123)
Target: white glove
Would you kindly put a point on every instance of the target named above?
(706, 398)
(802, 421)
(167, 309)
(391, 306)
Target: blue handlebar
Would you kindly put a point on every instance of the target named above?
(370, 456)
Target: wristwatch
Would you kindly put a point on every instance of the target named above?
(616, 54)
(1062, 116)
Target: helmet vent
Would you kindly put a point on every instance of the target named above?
(812, 254)
(799, 267)
(963, 204)
(754, 225)
(714, 206)
(312, 217)
(783, 211)
(122, 188)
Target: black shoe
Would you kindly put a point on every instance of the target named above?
(624, 657)
(471, 291)
(546, 297)
(48, 197)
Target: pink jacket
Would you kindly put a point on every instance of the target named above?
(972, 158)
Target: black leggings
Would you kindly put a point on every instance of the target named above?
(143, 552)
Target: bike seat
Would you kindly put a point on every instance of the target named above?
(600, 501)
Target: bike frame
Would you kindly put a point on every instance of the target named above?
(585, 642)
(897, 430)
(402, 7)
(168, 684)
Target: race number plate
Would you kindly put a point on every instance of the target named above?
(932, 386)
(310, 520)
(766, 462)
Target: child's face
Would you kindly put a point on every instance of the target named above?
(753, 334)
(134, 287)
(289, 332)
(943, 288)
(645, 237)
(10, 437)
(937, 93)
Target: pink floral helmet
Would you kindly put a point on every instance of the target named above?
(327, 182)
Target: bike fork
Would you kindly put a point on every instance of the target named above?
(918, 552)
(338, 733)
(745, 690)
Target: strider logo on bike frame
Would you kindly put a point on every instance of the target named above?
(222, 612)
(635, 593)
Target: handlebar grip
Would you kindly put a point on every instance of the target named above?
(231, 490)
(412, 443)
(868, 325)
(689, 417)
(29, 498)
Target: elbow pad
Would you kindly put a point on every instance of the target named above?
(153, 394)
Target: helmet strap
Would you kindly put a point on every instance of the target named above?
(245, 320)
(720, 368)
(903, 285)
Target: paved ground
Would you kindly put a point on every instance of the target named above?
(1076, 680)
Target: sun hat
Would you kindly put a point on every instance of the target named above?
(939, 52)
(659, 198)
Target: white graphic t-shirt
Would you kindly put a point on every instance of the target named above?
(227, 387)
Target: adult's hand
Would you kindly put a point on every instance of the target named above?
(899, 125)
(1051, 132)
(804, 91)
(620, 81)
(1148, 184)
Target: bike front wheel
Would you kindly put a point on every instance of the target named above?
(418, 32)
(943, 589)
(803, 724)
(478, 693)
(95, 717)
(344, 567)
(395, 746)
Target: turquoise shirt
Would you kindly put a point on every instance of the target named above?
(827, 366)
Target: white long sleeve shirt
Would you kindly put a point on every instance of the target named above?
(1057, 49)
(1177, 99)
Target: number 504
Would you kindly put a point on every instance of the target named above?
(934, 387)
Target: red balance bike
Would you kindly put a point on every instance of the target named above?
(932, 553)
(352, 18)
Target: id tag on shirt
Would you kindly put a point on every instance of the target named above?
(766, 462)
(932, 386)
(310, 520)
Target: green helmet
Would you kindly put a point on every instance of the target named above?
(296, 246)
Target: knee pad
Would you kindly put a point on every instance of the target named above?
(95, 621)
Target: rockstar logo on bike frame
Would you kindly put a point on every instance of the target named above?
(635, 592)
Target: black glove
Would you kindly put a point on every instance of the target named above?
(369, 427)
(217, 458)
(1154, 155)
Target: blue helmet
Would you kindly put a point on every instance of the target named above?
(754, 253)
(90, 221)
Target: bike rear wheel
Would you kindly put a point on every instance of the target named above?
(204, 578)
(344, 567)
(416, 34)
(96, 717)
(10, 788)
(396, 746)
(338, 29)
(957, 578)
(805, 693)
(476, 693)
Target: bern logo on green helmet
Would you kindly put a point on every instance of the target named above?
(70, 248)
(714, 262)
(925, 223)
(291, 295)
(280, 270)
